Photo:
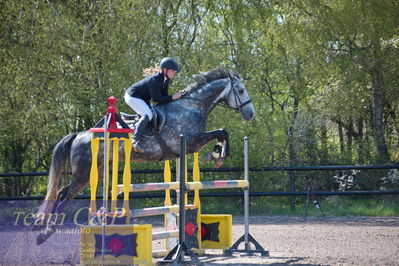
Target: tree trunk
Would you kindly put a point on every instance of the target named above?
(359, 141)
(341, 137)
(378, 105)
(291, 136)
(310, 144)
(324, 144)
(293, 160)
(349, 137)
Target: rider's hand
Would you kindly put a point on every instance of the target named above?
(176, 96)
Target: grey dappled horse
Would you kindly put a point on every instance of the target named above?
(187, 116)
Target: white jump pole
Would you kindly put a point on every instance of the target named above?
(246, 238)
(246, 194)
(105, 176)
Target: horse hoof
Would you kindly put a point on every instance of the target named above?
(44, 235)
(41, 238)
(219, 162)
(206, 158)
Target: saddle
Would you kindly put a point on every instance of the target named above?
(155, 125)
(154, 128)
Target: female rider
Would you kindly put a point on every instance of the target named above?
(154, 86)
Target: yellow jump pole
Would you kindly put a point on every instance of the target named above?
(185, 181)
(127, 176)
(95, 144)
(167, 178)
(196, 178)
(197, 202)
(115, 161)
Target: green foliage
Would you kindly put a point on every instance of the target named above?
(314, 70)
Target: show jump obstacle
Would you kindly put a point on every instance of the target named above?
(103, 242)
(110, 239)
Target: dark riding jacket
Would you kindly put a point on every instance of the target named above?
(153, 87)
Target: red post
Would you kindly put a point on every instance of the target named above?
(112, 111)
(112, 121)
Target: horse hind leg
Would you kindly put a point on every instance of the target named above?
(46, 210)
(49, 222)
(64, 197)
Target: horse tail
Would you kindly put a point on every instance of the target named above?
(59, 162)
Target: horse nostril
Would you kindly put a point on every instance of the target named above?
(249, 116)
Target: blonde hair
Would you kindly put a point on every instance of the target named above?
(151, 70)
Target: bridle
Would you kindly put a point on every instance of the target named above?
(238, 103)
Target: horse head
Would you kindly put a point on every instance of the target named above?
(236, 97)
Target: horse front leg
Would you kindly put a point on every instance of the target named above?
(221, 150)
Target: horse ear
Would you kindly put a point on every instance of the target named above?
(233, 78)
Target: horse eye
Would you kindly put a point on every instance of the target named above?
(241, 91)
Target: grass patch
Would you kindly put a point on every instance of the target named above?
(386, 205)
(363, 206)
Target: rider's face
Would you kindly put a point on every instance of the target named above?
(170, 73)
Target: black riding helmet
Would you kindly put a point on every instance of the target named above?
(169, 63)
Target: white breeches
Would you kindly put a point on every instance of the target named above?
(138, 105)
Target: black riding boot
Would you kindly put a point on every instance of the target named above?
(139, 134)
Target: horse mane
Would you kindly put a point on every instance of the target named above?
(203, 78)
